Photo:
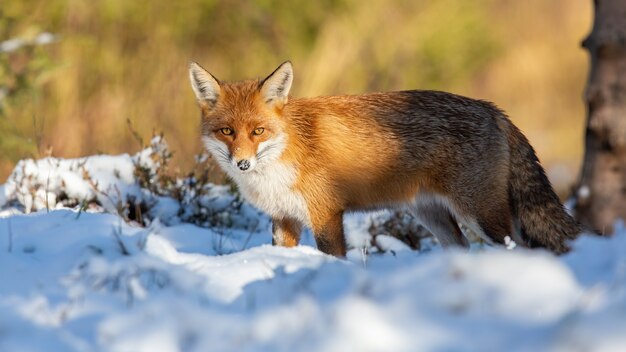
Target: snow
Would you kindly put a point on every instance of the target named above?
(75, 279)
(584, 192)
(14, 44)
(35, 182)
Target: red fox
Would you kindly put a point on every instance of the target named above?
(448, 159)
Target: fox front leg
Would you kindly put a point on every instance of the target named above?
(329, 235)
(285, 232)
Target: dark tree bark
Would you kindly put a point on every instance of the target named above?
(601, 192)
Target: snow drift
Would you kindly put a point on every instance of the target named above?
(80, 272)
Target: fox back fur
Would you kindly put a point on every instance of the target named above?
(446, 158)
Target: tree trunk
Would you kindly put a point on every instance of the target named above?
(601, 192)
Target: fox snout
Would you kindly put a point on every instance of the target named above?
(242, 157)
(243, 165)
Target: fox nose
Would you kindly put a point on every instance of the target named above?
(243, 165)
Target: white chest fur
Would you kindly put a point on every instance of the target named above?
(268, 185)
(270, 189)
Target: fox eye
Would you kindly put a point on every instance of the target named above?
(258, 131)
(226, 131)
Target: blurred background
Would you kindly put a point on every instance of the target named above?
(113, 61)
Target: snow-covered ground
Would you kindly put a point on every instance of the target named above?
(78, 278)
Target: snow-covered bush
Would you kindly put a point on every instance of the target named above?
(139, 188)
(400, 225)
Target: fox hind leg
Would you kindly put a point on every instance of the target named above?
(437, 219)
(497, 224)
(494, 224)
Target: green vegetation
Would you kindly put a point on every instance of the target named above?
(24, 65)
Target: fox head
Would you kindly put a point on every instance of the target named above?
(241, 121)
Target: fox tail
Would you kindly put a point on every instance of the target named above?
(543, 220)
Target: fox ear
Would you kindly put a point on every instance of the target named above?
(275, 88)
(205, 86)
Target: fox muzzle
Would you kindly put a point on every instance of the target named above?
(243, 165)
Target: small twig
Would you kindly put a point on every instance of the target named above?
(364, 256)
(138, 214)
(47, 188)
(117, 233)
(245, 243)
(220, 241)
(120, 205)
(38, 129)
(83, 207)
(143, 240)
(134, 132)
